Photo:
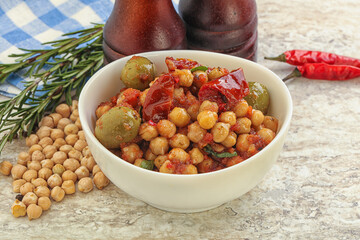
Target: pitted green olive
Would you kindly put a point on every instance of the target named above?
(258, 97)
(137, 73)
(118, 125)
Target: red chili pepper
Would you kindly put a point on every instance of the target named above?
(325, 71)
(227, 90)
(159, 98)
(299, 57)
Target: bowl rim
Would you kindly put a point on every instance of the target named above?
(281, 132)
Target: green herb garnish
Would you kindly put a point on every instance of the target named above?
(199, 68)
(209, 150)
(147, 164)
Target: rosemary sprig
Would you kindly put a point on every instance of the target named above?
(58, 71)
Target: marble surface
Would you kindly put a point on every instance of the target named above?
(312, 192)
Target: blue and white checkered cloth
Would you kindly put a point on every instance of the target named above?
(28, 23)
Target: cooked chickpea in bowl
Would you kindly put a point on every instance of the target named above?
(195, 118)
(170, 135)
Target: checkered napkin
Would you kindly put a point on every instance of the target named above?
(28, 23)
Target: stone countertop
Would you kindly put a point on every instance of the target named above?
(312, 192)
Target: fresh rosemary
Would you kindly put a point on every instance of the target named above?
(61, 70)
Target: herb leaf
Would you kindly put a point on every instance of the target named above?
(147, 164)
(199, 68)
(209, 150)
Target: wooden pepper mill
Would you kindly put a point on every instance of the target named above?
(225, 26)
(136, 26)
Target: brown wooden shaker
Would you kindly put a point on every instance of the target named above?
(136, 26)
(225, 26)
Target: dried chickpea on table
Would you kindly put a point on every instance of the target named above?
(193, 119)
(58, 159)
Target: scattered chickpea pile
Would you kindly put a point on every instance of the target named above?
(57, 159)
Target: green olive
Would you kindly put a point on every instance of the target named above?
(118, 125)
(137, 73)
(258, 97)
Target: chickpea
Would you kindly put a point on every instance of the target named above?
(71, 129)
(43, 132)
(29, 175)
(266, 134)
(44, 203)
(166, 128)
(54, 180)
(26, 187)
(56, 117)
(216, 73)
(185, 77)
(74, 115)
(49, 151)
(39, 182)
(74, 106)
(69, 175)
(143, 96)
(17, 184)
(35, 147)
(217, 147)
(47, 121)
(190, 169)
(47, 163)
(82, 172)
(241, 108)
(58, 169)
(207, 119)
(96, 169)
(179, 94)
(71, 164)
(68, 186)
(148, 131)
(23, 158)
(220, 131)
(88, 162)
(85, 185)
(179, 141)
(59, 157)
(63, 109)
(271, 123)
(31, 140)
(167, 167)
(18, 209)
(5, 168)
(57, 193)
(193, 110)
(71, 139)
(243, 125)
(102, 108)
(149, 155)
(196, 156)
(159, 160)
(37, 156)
(179, 117)
(242, 143)
(257, 118)
(228, 117)
(178, 154)
(159, 145)
(209, 106)
(17, 171)
(230, 140)
(34, 165)
(81, 135)
(80, 145)
(100, 180)
(78, 124)
(42, 191)
(75, 154)
(131, 152)
(200, 78)
(63, 122)
(86, 152)
(59, 142)
(57, 133)
(33, 211)
(45, 173)
(66, 148)
(195, 132)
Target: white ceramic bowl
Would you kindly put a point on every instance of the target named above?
(185, 193)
